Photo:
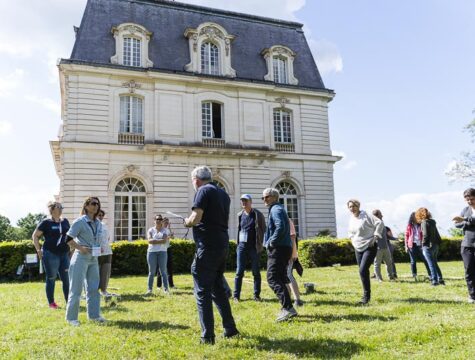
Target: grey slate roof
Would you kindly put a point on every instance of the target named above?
(169, 49)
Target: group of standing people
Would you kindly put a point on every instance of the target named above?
(88, 266)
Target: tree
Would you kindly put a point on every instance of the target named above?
(455, 232)
(463, 169)
(5, 228)
(29, 223)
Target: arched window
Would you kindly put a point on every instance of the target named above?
(282, 126)
(288, 197)
(209, 59)
(131, 52)
(280, 70)
(131, 115)
(130, 210)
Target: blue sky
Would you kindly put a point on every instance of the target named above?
(402, 71)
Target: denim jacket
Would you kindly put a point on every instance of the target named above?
(278, 227)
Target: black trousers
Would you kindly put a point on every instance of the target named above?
(169, 270)
(277, 262)
(365, 259)
(468, 256)
(207, 270)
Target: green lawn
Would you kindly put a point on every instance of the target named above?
(406, 320)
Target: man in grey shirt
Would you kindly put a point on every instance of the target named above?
(384, 253)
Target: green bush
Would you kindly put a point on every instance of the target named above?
(130, 258)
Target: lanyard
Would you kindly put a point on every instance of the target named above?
(60, 233)
(94, 232)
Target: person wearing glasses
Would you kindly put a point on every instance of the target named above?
(278, 243)
(364, 230)
(158, 243)
(55, 251)
(84, 237)
(209, 220)
(105, 260)
(171, 235)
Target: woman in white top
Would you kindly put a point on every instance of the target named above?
(105, 260)
(364, 230)
(157, 253)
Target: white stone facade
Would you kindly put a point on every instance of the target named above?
(90, 161)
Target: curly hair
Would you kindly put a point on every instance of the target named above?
(422, 214)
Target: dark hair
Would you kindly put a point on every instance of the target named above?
(87, 202)
(412, 218)
(101, 212)
(469, 192)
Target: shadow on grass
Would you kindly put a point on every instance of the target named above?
(146, 326)
(351, 317)
(414, 300)
(182, 292)
(333, 302)
(324, 348)
(135, 297)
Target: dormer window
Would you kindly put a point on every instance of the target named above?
(210, 50)
(280, 65)
(131, 51)
(131, 45)
(209, 59)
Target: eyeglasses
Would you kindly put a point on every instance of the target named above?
(265, 197)
(94, 203)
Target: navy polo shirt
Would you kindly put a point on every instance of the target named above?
(212, 231)
(55, 235)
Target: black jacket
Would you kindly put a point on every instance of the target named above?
(468, 227)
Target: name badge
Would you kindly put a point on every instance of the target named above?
(96, 251)
(243, 236)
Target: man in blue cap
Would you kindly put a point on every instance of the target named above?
(251, 228)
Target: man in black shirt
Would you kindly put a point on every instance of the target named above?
(251, 228)
(209, 219)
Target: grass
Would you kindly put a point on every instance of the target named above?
(406, 320)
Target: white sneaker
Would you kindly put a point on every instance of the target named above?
(105, 294)
(286, 314)
(167, 292)
(73, 322)
(471, 301)
(148, 292)
(99, 320)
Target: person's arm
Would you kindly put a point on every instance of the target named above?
(279, 226)
(293, 237)
(379, 227)
(36, 242)
(194, 218)
(462, 221)
(73, 245)
(153, 241)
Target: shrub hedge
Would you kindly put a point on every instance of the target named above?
(130, 257)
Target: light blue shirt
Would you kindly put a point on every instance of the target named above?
(87, 232)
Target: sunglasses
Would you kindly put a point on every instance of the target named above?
(57, 206)
(94, 203)
(159, 220)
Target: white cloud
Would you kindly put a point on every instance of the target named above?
(5, 127)
(326, 55)
(10, 82)
(348, 165)
(16, 202)
(443, 206)
(47, 103)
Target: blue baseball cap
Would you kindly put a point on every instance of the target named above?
(246, 197)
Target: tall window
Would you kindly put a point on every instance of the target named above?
(209, 59)
(211, 116)
(130, 210)
(280, 70)
(282, 126)
(131, 51)
(131, 115)
(288, 198)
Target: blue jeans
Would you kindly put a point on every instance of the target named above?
(154, 259)
(430, 254)
(56, 264)
(84, 270)
(416, 253)
(207, 270)
(243, 254)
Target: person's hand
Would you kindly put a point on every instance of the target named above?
(187, 222)
(84, 250)
(458, 219)
(40, 254)
(407, 250)
(294, 258)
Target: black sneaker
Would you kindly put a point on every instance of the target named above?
(441, 282)
(364, 301)
(231, 333)
(257, 298)
(207, 341)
